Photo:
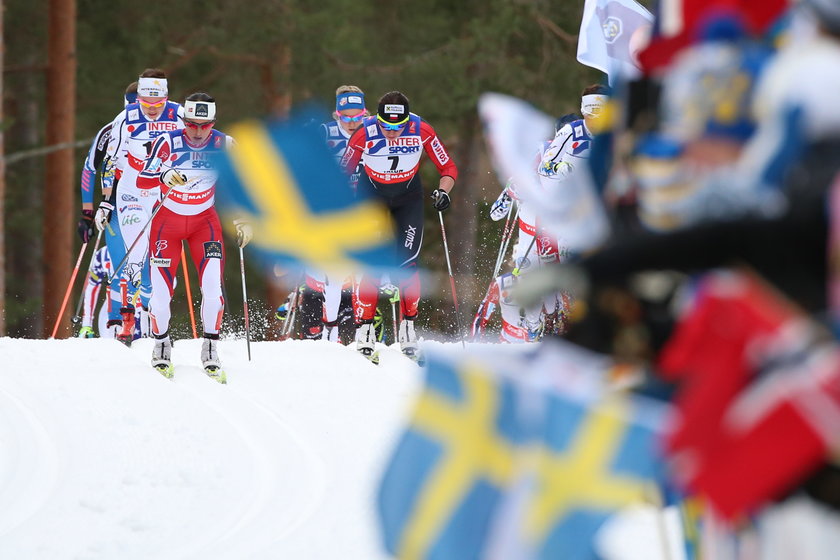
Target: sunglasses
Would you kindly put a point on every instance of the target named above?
(145, 103)
(199, 126)
(353, 119)
(389, 126)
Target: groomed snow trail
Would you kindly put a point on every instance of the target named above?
(101, 457)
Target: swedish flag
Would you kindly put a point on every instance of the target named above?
(591, 460)
(495, 464)
(452, 466)
(281, 177)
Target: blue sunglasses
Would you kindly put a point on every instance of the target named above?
(390, 126)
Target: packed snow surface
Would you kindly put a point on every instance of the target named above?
(101, 457)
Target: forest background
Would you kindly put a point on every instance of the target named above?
(263, 57)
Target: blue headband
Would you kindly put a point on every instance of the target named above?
(349, 100)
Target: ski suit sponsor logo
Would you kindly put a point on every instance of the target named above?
(160, 262)
(202, 161)
(161, 245)
(134, 114)
(439, 151)
(128, 198)
(404, 145)
(177, 143)
(410, 233)
(130, 220)
(130, 207)
(395, 109)
(375, 146)
(580, 147)
(212, 250)
(196, 198)
(103, 142)
(156, 126)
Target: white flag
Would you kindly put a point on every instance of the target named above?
(611, 34)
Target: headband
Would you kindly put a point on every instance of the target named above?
(592, 104)
(349, 100)
(204, 110)
(393, 113)
(152, 87)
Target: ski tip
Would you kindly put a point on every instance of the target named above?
(165, 370)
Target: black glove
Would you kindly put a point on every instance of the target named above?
(85, 227)
(441, 200)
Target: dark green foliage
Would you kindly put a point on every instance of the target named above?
(255, 55)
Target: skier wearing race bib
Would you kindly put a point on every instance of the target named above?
(132, 134)
(95, 162)
(183, 164)
(390, 145)
(324, 302)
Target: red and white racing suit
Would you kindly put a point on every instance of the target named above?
(390, 171)
(188, 214)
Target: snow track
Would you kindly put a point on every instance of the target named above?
(102, 457)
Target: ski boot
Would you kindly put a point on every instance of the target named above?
(366, 342)
(126, 336)
(113, 328)
(408, 342)
(162, 356)
(210, 358)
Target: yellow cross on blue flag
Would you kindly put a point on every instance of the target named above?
(281, 177)
(498, 462)
(453, 465)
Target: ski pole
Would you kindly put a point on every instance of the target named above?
(451, 279)
(285, 332)
(77, 318)
(245, 302)
(69, 288)
(518, 269)
(189, 291)
(395, 297)
(507, 233)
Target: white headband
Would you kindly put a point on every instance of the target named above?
(152, 87)
(592, 104)
(200, 110)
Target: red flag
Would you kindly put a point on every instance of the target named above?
(741, 442)
(678, 23)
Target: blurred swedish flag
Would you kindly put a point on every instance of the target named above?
(494, 465)
(452, 466)
(591, 460)
(281, 177)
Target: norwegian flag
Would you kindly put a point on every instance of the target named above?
(760, 400)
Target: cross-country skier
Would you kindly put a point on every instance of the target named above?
(94, 163)
(132, 134)
(557, 162)
(325, 298)
(183, 164)
(390, 145)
